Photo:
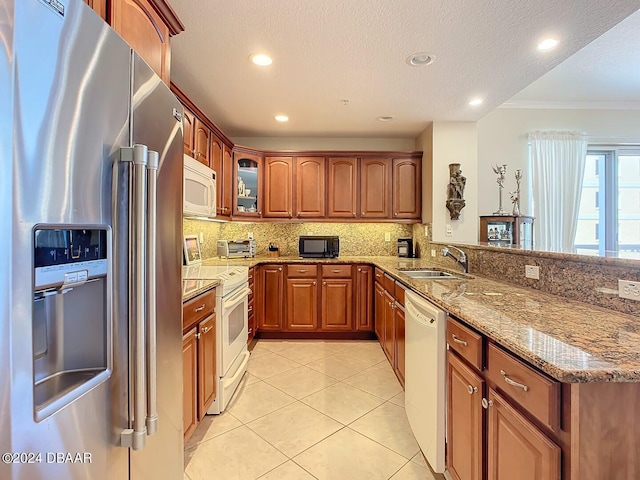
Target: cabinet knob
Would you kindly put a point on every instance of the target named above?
(198, 335)
(279, 269)
(471, 389)
(359, 269)
(324, 283)
(395, 214)
(315, 283)
(259, 213)
(486, 403)
(354, 214)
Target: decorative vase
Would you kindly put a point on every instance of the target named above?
(516, 209)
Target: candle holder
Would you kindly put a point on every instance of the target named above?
(500, 171)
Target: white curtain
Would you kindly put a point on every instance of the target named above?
(558, 160)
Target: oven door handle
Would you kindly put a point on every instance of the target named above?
(236, 299)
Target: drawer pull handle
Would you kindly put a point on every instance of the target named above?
(471, 389)
(199, 309)
(487, 403)
(250, 308)
(205, 329)
(512, 382)
(457, 340)
(336, 271)
(302, 271)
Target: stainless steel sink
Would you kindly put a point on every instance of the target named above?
(429, 274)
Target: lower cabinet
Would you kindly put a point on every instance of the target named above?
(271, 297)
(252, 317)
(199, 382)
(337, 304)
(378, 311)
(389, 329)
(399, 341)
(302, 304)
(389, 316)
(364, 298)
(505, 403)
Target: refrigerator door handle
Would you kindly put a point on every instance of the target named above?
(151, 360)
(136, 437)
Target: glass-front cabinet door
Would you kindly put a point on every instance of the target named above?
(247, 180)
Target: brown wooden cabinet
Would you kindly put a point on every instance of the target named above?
(465, 420)
(271, 299)
(337, 304)
(310, 187)
(342, 187)
(201, 142)
(516, 448)
(399, 341)
(189, 383)
(216, 147)
(378, 311)
(278, 181)
(302, 304)
(252, 318)
(188, 127)
(407, 185)
(247, 181)
(98, 6)
(375, 188)
(389, 329)
(147, 26)
(364, 298)
(206, 364)
(226, 183)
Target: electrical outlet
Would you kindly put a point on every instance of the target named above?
(426, 230)
(201, 237)
(532, 271)
(433, 252)
(250, 235)
(628, 289)
(387, 236)
(448, 231)
(309, 234)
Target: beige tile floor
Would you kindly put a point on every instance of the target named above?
(328, 410)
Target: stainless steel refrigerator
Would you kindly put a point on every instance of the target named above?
(90, 235)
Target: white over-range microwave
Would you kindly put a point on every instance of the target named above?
(199, 187)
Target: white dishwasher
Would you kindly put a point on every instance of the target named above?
(425, 374)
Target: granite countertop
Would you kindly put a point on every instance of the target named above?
(193, 288)
(569, 340)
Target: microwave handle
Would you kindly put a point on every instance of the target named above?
(212, 193)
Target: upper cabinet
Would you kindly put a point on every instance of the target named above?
(201, 142)
(99, 6)
(147, 26)
(375, 187)
(407, 182)
(342, 187)
(188, 119)
(278, 180)
(310, 187)
(248, 191)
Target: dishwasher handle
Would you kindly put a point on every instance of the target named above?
(415, 313)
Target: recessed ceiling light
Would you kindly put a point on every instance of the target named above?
(385, 118)
(420, 59)
(260, 59)
(548, 44)
(475, 102)
(281, 118)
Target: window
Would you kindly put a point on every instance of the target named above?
(611, 222)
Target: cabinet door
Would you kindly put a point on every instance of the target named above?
(302, 304)
(515, 447)
(226, 183)
(247, 181)
(215, 161)
(375, 188)
(206, 364)
(342, 186)
(407, 181)
(278, 185)
(389, 331)
(378, 310)
(398, 320)
(140, 25)
(188, 120)
(364, 298)
(464, 420)
(201, 142)
(272, 297)
(310, 187)
(337, 306)
(98, 6)
(189, 383)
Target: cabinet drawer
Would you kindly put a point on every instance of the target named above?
(302, 271)
(389, 284)
(379, 276)
(198, 308)
(399, 293)
(535, 392)
(466, 342)
(336, 271)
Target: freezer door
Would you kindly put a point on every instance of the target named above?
(156, 123)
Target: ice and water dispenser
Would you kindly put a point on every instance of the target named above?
(71, 314)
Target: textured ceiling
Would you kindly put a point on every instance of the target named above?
(604, 74)
(328, 50)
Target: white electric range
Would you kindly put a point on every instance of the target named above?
(232, 301)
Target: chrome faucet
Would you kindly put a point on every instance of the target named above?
(462, 260)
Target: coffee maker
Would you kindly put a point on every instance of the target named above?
(405, 247)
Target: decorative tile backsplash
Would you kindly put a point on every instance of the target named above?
(355, 238)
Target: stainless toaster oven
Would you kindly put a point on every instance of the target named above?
(236, 248)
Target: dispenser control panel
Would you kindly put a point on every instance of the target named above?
(66, 257)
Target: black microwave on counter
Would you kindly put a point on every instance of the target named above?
(317, 246)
